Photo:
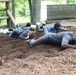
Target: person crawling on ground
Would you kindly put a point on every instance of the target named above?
(24, 32)
(66, 39)
(57, 27)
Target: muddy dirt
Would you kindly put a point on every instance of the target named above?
(20, 59)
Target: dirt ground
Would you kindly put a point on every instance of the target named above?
(20, 59)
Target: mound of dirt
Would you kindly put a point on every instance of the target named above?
(20, 59)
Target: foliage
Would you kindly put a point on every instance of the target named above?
(21, 7)
(1, 12)
(70, 1)
(64, 1)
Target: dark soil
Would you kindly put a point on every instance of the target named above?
(20, 59)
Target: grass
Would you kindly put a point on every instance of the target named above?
(21, 20)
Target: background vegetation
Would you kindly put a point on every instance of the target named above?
(22, 9)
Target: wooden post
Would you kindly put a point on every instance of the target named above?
(7, 8)
(30, 7)
(13, 8)
(11, 17)
(4, 9)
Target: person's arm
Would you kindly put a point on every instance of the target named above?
(26, 38)
(68, 46)
(30, 33)
(62, 28)
(24, 35)
(59, 29)
(65, 42)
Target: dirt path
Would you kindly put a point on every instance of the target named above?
(40, 60)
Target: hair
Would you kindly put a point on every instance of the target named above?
(28, 24)
(57, 24)
(31, 34)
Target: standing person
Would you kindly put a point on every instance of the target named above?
(65, 39)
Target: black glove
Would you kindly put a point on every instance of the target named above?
(10, 29)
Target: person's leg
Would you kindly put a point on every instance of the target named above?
(13, 34)
(45, 30)
(41, 40)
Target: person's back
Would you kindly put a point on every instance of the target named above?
(55, 28)
(58, 38)
(50, 28)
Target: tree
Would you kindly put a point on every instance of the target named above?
(13, 8)
(30, 8)
(57, 1)
(70, 1)
(66, 1)
(2, 13)
(36, 7)
(20, 6)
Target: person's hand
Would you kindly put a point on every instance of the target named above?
(55, 31)
(26, 38)
(65, 28)
(1, 61)
(68, 46)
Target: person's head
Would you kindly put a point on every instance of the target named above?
(31, 34)
(74, 37)
(28, 24)
(57, 25)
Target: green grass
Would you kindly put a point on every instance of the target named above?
(21, 20)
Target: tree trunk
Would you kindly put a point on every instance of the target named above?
(36, 7)
(30, 7)
(13, 11)
(13, 8)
